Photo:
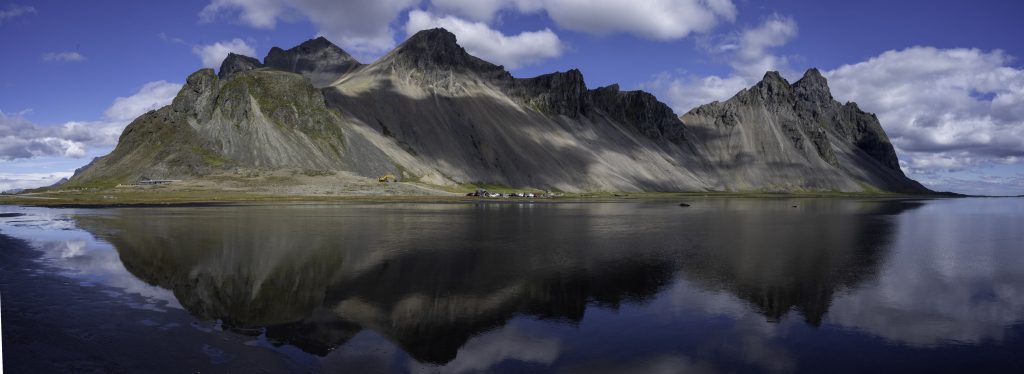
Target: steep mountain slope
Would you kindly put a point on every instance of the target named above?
(777, 136)
(473, 122)
(258, 118)
(431, 112)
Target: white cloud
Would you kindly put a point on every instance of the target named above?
(485, 10)
(945, 109)
(63, 57)
(360, 27)
(482, 41)
(14, 11)
(752, 58)
(151, 96)
(9, 181)
(748, 53)
(653, 19)
(22, 139)
(171, 39)
(256, 13)
(685, 92)
(213, 54)
(364, 27)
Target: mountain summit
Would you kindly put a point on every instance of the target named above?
(783, 136)
(430, 112)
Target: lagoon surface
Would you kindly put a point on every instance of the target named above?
(725, 285)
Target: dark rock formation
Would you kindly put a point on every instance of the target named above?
(556, 93)
(318, 59)
(640, 109)
(237, 63)
(437, 49)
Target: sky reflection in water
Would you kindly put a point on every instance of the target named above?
(728, 284)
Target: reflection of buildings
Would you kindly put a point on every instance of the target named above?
(430, 278)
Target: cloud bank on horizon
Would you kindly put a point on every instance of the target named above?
(949, 111)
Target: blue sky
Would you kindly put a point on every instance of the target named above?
(945, 77)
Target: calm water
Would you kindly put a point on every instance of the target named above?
(726, 285)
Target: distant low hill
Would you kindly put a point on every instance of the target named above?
(430, 112)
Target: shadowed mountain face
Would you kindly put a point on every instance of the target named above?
(430, 277)
(430, 111)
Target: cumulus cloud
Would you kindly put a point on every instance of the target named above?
(256, 13)
(22, 139)
(752, 58)
(946, 109)
(151, 96)
(480, 10)
(360, 27)
(364, 27)
(653, 19)
(482, 41)
(213, 54)
(14, 11)
(687, 91)
(12, 181)
(748, 53)
(63, 57)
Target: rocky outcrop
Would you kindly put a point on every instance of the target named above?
(567, 94)
(317, 59)
(235, 63)
(438, 49)
(556, 93)
(651, 117)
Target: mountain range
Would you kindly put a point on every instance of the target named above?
(430, 112)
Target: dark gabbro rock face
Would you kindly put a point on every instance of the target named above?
(438, 49)
(651, 117)
(566, 93)
(235, 63)
(556, 93)
(317, 59)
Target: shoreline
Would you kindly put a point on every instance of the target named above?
(156, 198)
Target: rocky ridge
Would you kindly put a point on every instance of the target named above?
(430, 111)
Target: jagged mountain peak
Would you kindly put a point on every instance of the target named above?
(813, 86)
(832, 143)
(318, 59)
(316, 45)
(235, 63)
(431, 111)
(773, 87)
(438, 49)
(772, 79)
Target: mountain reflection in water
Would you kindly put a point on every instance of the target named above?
(430, 278)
